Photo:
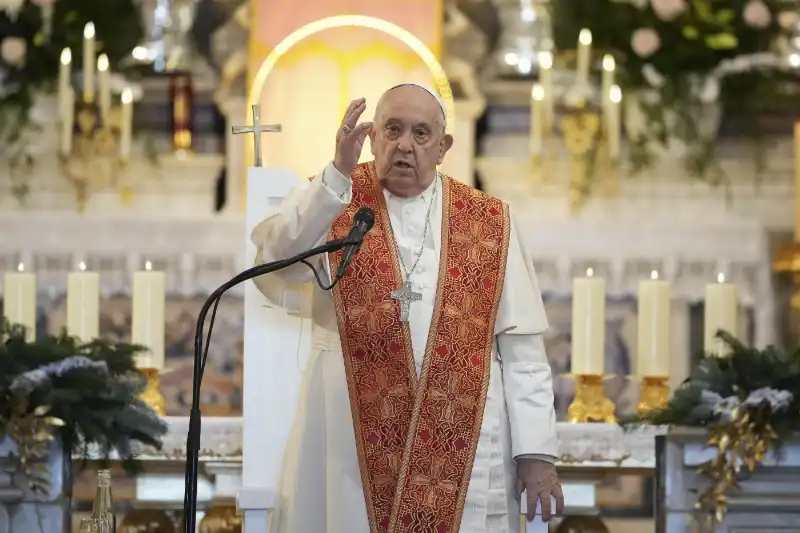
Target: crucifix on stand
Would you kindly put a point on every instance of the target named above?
(256, 129)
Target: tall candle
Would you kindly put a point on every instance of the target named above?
(546, 81)
(147, 328)
(126, 126)
(88, 62)
(588, 325)
(68, 123)
(797, 181)
(537, 119)
(19, 300)
(64, 84)
(83, 304)
(653, 342)
(613, 121)
(721, 312)
(584, 61)
(609, 66)
(104, 85)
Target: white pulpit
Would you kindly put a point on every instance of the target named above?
(275, 348)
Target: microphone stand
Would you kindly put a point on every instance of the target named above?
(193, 437)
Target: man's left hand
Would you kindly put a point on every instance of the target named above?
(540, 479)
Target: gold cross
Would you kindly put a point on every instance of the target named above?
(257, 129)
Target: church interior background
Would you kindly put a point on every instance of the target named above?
(559, 107)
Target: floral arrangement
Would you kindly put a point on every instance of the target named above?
(32, 35)
(748, 400)
(87, 395)
(679, 60)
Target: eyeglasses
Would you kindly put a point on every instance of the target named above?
(95, 525)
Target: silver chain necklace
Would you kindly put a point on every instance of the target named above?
(405, 294)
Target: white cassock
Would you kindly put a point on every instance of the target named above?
(320, 490)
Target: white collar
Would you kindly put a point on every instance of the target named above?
(425, 195)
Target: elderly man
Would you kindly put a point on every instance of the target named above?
(427, 405)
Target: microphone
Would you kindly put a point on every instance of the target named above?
(363, 221)
(200, 352)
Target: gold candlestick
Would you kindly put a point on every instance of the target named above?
(590, 403)
(654, 394)
(152, 395)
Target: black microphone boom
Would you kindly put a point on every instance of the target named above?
(193, 437)
(363, 221)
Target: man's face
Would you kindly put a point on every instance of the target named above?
(408, 140)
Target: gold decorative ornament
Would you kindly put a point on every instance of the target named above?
(152, 395)
(654, 394)
(221, 517)
(147, 521)
(94, 162)
(590, 403)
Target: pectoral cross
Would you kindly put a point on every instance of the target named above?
(256, 129)
(405, 295)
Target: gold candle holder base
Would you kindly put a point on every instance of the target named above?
(221, 517)
(654, 394)
(151, 395)
(590, 403)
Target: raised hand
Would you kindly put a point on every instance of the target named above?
(350, 137)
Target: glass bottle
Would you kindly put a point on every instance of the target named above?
(103, 506)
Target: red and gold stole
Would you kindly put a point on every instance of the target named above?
(416, 437)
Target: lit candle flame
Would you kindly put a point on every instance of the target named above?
(720, 278)
(66, 56)
(82, 266)
(21, 267)
(88, 31)
(537, 92)
(127, 95)
(148, 266)
(102, 63)
(608, 63)
(589, 272)
(585, 36)
(545, 60)
(615, 94)
(654, 274)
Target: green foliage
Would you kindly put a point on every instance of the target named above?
(744, 371)
(91, 388)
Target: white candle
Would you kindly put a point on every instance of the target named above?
(537, 119)
(19, 300)
(64, 84)
(67, 123)
(83, 304)
(588, 325)
(126, 127)
(653, 335)
(584, 61)
(613, 121)
(721, 313)
(88, 62)
(546, 81)
(104, 85)
(147, 328)
(609, 66)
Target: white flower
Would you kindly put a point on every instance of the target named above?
(653, 77)
(645, 42)
(705, 88)
(778, 400)
(11, 7)
(668, 9)
(756, 14)
(13, 51)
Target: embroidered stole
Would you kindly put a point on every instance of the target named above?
(416, 437)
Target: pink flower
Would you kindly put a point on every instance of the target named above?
(756, 14)
(13, 50)
(645, 42)
(668, 9)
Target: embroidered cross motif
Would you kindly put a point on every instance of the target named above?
(384, 393)
(371, 308)
(475, 241)
(452, 398)
(405, 295)
(466, 315)
(434, 485)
